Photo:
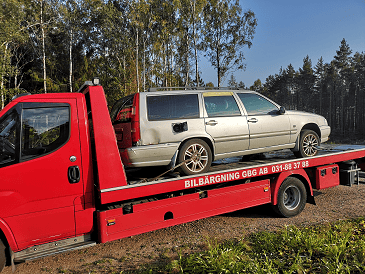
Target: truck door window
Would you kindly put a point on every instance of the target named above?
(44, 130)
(8, 132)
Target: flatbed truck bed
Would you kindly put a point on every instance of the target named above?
(74, 191)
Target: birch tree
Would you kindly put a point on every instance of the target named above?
(226, 31)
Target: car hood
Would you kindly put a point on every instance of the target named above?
(312, 116)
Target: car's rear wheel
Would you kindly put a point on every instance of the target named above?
(308, 144)
(195, 157)
(292, 197)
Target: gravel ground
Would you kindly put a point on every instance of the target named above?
(333, 204)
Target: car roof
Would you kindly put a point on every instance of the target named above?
(183, 90)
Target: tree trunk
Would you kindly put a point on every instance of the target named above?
(70, 74)
(43, 52)
(195, 48)
(137, 72)
(2, 77)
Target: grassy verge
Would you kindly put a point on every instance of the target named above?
(330, 248)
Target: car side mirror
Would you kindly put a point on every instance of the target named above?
(281, 110)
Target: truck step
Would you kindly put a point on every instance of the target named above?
(48, 249)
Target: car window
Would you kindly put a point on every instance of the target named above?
(44, 130)
(256, 104)
(220, 104)
(122, 109)
(167, 107)
(8, 132)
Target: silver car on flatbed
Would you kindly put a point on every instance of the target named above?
(193, 127)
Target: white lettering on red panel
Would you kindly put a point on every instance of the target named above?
(247, 173)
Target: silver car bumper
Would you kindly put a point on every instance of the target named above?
(151, 155)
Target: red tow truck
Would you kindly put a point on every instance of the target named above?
(64, 187)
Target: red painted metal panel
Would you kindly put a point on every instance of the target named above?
(153, 188)
(36, 198)
(110, 169)
(275, 184)
(327, 176)
(8, 234)
(151, 216)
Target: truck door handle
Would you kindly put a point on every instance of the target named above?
(73, 174)
(211, 123)
(253, 120)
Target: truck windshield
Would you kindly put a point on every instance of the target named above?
(8, 127)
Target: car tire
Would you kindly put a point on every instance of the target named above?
(2, 255)
(195, 157)
(308, 142)
(292, 197)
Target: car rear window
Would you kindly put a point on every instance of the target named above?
(167, 107)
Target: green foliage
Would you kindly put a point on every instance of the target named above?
(225, 32)
(330, 248)
(334, 90)
(129, 45)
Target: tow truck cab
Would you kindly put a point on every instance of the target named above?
(45, 169)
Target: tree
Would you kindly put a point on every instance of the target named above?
(232, 82)
(342, 63)
(225, 32)
(241, 85)
(319, 84)
(306, 81)
(257, 86)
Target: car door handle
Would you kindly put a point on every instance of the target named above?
(73, 174)
(252, 120)
(211, 123)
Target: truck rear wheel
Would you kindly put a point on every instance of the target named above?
(2, 255)
(292, 197)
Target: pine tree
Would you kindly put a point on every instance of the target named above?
(306, 81)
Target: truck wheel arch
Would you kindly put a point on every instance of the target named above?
(301, 175)
(7, 236)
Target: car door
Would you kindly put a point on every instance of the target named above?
(41, 183)
(225, 123)
(267, 126)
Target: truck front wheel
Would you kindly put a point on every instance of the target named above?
(2, 255)
(292, 197)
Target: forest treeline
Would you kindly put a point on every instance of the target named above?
(335, 90)
(56, 45)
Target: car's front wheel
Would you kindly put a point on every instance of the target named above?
(195, 157)
(308, 144)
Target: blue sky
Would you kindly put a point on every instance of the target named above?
(289, 30)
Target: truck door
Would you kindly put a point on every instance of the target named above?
(39, 168)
